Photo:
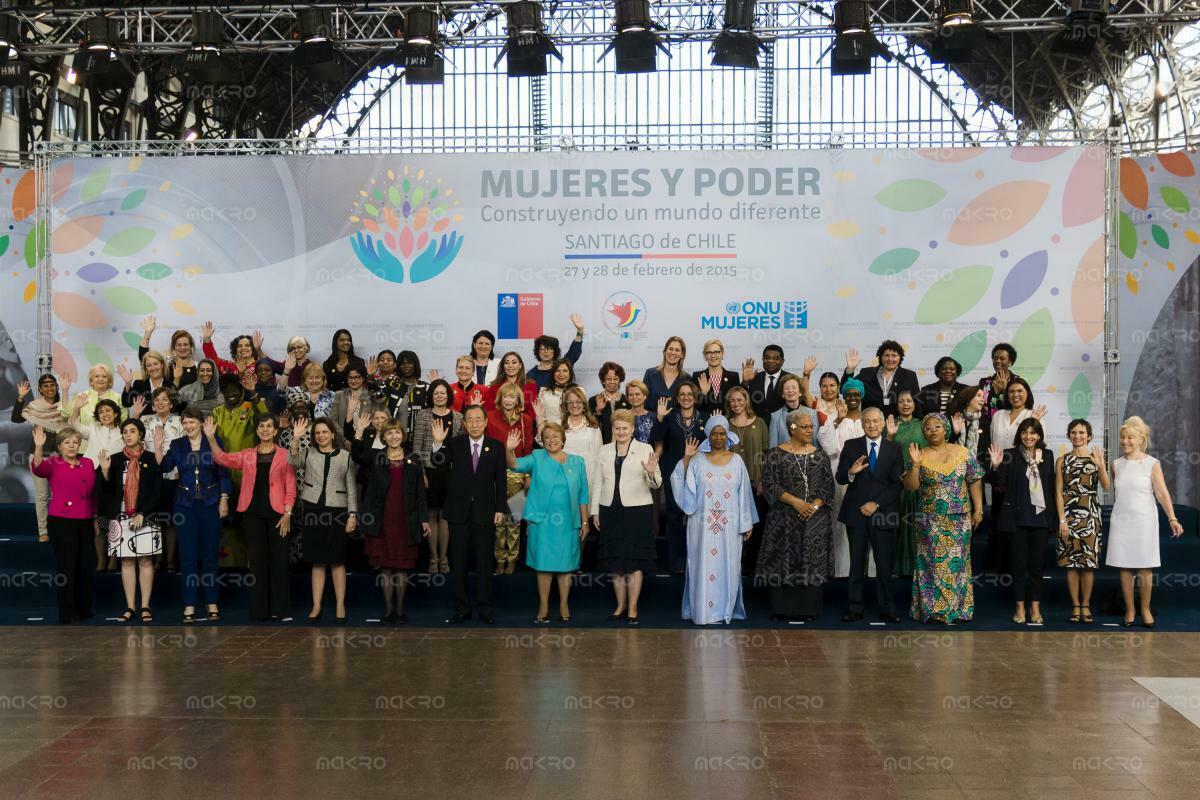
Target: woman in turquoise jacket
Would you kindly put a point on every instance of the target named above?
(556, 510)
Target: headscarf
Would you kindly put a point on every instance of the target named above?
(856, 384)
(718, 421)
(940, 417)
(203, 397)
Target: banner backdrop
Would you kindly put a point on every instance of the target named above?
(947, 251)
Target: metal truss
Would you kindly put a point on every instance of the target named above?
(268, 28)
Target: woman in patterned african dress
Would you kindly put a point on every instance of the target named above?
(1078, 545)
(949, 504)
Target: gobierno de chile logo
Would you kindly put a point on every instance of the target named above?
(408, 224)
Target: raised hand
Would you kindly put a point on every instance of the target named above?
(748, 370)
(126, 373)
(177, 371)
(892, 426)
(650, 465)
(840, 405)
(39, 437)
(514, 439)
(362, 421)
(299, 428)
(852, 359)
(249, 380)
(257, 338)
(206, 331)
(439, 430)
(81, 400)
(664, 408)
(210, 428)
(148, 326)
(538, 408)
(958, 423)
(859, 465)
(691, 447)
(64, 383)
(103, 460)
(160, 438)
(137, 407)
(372, 365)
(577, 321)
(23, 389)
(601, 402)
(1039, 412)
(704, 382)
(475, 398)
(914, 454)
(810, 364)
(1098, 454)
(995, 454)
(434, 375)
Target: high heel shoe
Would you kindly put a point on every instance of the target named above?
(313, 620)
(1076, 617)
(617, 616)
(1127, 623)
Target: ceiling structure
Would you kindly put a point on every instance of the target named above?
(1017, 69)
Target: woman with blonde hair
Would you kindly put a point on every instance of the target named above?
(583, 433)
(661, 380)
(714, 380)
(153, 376)
(100, 383)
(509, 417)
(1133, 530)
(315, 391)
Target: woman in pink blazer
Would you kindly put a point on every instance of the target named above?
(265, 502)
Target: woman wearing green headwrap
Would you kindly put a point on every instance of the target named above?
(905, 429)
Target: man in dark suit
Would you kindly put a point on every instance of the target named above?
(476, 501)
(884, 382)
(870, 468)
(763, 386)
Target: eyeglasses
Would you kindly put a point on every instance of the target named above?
(714, 352)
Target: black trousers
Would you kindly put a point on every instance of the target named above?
(882, 542)
(480, 541)
(267, 552)
(1027, 551)
(676, 530)
(74, 559)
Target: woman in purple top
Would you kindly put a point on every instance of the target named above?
(69, 522)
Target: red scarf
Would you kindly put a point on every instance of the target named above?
(133, 477)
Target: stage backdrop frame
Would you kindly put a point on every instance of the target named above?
(46, 153)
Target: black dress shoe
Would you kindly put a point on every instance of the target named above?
(615, 617)
(892, 618)
(852, 616)
(456, 618)
(487, 619)
(401, 619)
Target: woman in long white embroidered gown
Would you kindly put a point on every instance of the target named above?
(713, 488)
(832, 436)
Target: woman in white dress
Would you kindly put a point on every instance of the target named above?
(1133, 530)
(844, 425)
(713, 488)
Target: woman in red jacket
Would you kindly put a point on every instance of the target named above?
(265, 501)
(507, 417)
(512, 373)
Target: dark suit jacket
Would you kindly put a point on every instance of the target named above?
(765, 406)
(1011, 471)
(375, 465)
(882, 486)
(707, 402)
(930, 397)
(904, 379)
(111, 491)
(475, 495)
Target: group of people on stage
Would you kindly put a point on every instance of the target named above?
(748, 470)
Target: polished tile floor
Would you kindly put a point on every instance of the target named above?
(558, 713)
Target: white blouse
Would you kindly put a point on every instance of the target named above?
(586, 442)
(1004, 433)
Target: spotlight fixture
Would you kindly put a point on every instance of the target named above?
(854, 44)
(419, 53)
(10, 38)
(1087, 23)
(190, 134)
(737, 45)
(204, 62)
(957, 35)
(315, 50)
(528, 47)
(636, 39)
(97, 61)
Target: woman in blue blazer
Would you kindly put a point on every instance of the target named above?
(556, 509)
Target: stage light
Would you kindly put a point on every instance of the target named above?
(737, 45)
(854, 44)
(98, 60)
(636, 40)
(10, 37)
(190, 134)
(419, 53)
(957, 36)
(1087, 23)
(315, 51)
(528, 47)
(204, 62)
